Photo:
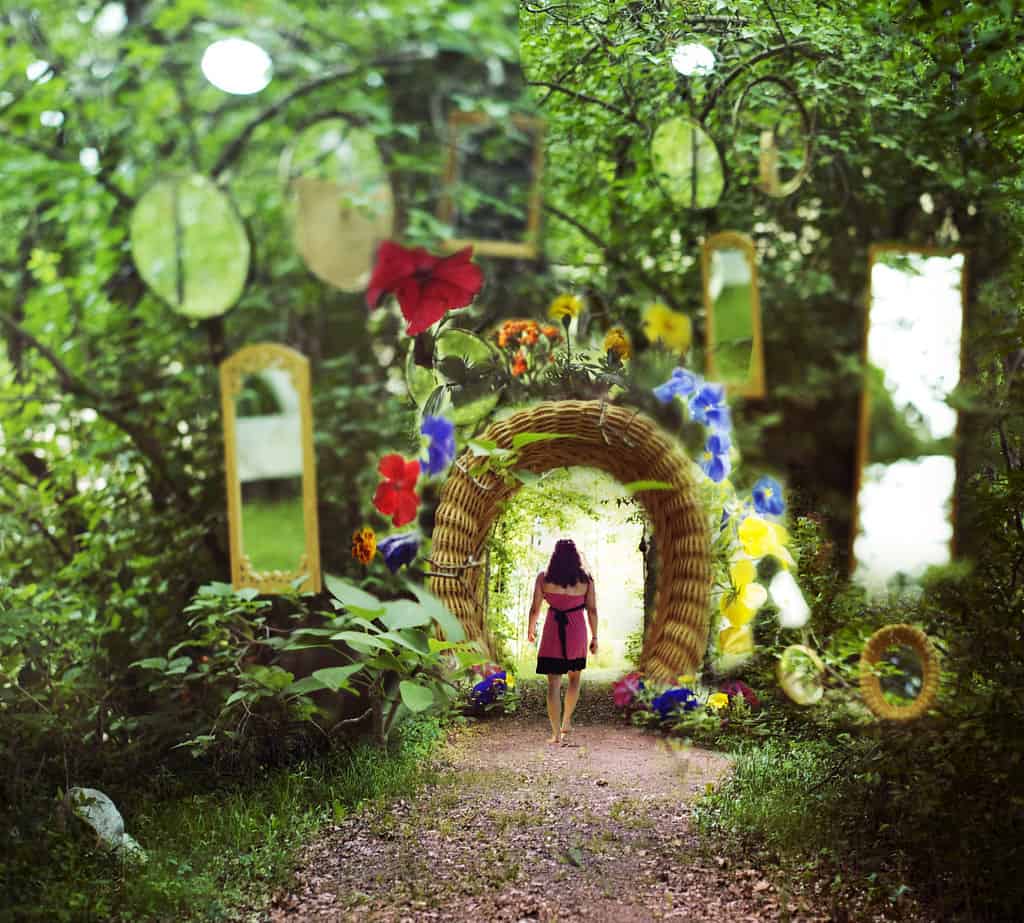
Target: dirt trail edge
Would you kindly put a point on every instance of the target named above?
(518, 830)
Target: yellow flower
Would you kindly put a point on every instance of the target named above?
(617, 342)
(364, 545)
(685, 679)
(510, 680)
(741, 606)
(565, 306)
(718, 700)
(662, 324)
(760, 537)
(736, 640)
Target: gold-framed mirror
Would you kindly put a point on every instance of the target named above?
(270, 468)
(734, 352)
(492, 183)
(905, 473)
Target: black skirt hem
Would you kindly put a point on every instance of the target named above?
(553, 665)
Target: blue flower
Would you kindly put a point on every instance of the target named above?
(715, 463)
(708, 406)
(399, 549)
(768, 497)
(680, 384)
(441, 446)
(674, 700)
(489, 689)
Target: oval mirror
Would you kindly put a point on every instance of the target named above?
(770, 110)
(687, 164)
(801, 674)
(190, 246)
(270, 470)
(734, 354)
(899, 673)
(460, 364)
(341, 199)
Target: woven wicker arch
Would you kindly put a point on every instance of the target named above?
(630, 447)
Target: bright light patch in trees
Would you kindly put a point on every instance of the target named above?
(39, 71)
(111, 20)
(89, 158)
(693, 60)
(51, 118)
(237, 66)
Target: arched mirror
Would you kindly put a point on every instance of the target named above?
(271, 475)
(734, 351)
(341, 198)
(906, 462)
(492, 186)
(687, 164)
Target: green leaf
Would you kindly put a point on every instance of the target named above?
(151, 663)
(305, 686)
(450, 626)
(521, 440)
(636, 486)
(351, 595)
(404, 613)
(415, 696)
(336, 678)
(361, 641)
(248, 593)
(236, 696)
(481, 447)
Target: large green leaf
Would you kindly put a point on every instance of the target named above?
(415, 696)
(450, 626)
(351, 595)
(521, 440)
(336, 678)
(404, 613)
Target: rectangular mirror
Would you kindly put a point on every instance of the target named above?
(734, 351)
(271, 477)
(906, 461)
(492, 184)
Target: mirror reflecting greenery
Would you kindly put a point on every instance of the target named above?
(687, 164)
(341, 199)
(190, 246)
(269, 443)
(733, 329)
(900, 674)
(801, 674)
(907, 466)
(770, 110)
(460, 366)
(492, 184)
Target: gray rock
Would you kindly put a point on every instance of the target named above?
(100, 813)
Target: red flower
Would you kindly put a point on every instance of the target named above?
(395, 496)
(427, 287)
(519, 365)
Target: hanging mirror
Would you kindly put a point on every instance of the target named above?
(687, 164)
(734, 351)
(492, 184)
(271, 475)
(341, 200)
(771, 110)
(906, 464)
(190, 245)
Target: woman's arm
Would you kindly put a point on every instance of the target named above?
(538, 601)
(591, 603)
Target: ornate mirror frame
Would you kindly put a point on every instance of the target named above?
(864, 414)
(529, 247)
(754, 386)
(249, 360)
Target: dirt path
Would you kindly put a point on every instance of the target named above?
(517, 830)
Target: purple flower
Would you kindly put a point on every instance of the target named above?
(399, 549)
(489, 689)
(735, 687)
(441, 447)
(674, 700)
(768, 497)
(680, 384)
(708, 406)
(715, 463)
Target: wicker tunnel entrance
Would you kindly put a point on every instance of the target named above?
(630, 447)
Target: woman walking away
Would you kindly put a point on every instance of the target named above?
(569, 591)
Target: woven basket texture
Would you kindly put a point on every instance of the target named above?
(870, 686)
(630, 447)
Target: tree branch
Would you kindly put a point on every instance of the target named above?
(582, 97)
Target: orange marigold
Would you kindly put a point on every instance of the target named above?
(364, 545)
(519, 364)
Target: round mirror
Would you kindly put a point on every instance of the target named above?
(460, 361)
(342, 203)
(687, 164)
(801, 674)
(770, 117)
(190, 246)
(899, 673)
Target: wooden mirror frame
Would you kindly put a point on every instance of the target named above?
(627, 445)
(754, 386)
(529, 247)
(864, 412)
(247, 361)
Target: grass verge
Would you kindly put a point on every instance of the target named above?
(214, 852)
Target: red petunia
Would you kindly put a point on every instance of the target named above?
(395, 496)
(427, 287)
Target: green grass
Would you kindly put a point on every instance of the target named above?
(209, 853)
(273, 533)
(734, 333)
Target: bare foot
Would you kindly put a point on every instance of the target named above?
(556, 739)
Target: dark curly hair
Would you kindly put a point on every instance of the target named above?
(565, 567)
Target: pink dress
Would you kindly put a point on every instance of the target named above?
(563, 643)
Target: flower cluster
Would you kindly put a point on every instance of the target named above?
(364, 545)
(626, 690)
(678, 699)
(527, 342)
(663, 325)
(617, 343)
(491, 688)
